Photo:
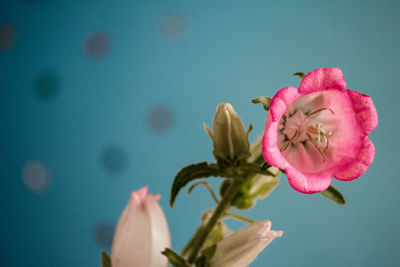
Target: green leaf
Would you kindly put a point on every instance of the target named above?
(265, 100)
(190, 173)
(333, 194)
(174, 258)
(105, 259)
(300, 74)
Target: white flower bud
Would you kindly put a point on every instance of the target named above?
(242, 247)
(142, 233)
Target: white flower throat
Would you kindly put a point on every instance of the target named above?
(301, 127)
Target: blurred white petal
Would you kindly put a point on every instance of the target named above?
(242, 247)
(142, 233)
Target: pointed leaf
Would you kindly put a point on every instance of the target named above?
(249, 129)
(334, 194)
(174, 258)
(190, 173)
(208, 130)
(265, 100)
(300, 74)
(105, 259)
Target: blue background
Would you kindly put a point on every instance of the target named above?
(211, 52)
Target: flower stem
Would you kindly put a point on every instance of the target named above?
(239, 217)
(223, 206)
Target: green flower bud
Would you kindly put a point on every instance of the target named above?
(229, 136)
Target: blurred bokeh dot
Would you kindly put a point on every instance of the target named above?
(47, 85)
(160, 118)
(97, 45)
(173, 25)
(36, 176)
(114, 159)
(8, 36)
(103, 234)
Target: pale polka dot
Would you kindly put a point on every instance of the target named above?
(104, 233)
(8, 36)
(114, 159)
(160, 118)
(47, 85)
(173, 25)
(97, 45)
(36, 176)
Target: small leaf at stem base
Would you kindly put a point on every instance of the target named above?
(334, 194)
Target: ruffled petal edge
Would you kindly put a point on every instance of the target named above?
(365, 111)
(308, 183)
(322, 79)
(354, 169)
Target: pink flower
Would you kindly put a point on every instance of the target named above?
(320, 130)
(141, 234)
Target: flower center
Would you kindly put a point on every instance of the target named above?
(301, 127)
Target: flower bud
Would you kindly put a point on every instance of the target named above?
(242, 247)
(142, 233)
(229, 137)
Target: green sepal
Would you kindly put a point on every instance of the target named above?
(190, 173)
(258, 184)
(105, 259)
(208, 130)
(206, 256)
(334, 194)
(217, 234)
(224, 186)
(265, 100)
(300, 74)
(249, 129)
(174, 258)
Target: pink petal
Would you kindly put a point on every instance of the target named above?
(308, 183)
(281, 101)
(279, 104)
(365, 111)
(270, 150)
(359, 165)
(322, 79)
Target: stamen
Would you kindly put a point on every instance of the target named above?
(291, 141)
(317, 111)
(316, 146)
(327, 144)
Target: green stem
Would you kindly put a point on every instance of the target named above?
(239, 217)
(223, 206)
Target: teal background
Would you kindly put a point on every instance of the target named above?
(223, 51)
